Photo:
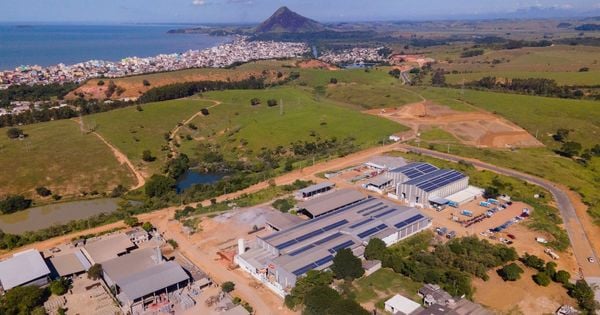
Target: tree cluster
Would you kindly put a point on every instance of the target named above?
(14, 203)
(530, 86)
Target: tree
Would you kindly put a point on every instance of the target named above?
(550, 269)
(562, 276)
(312, 279)
(533, 261)
(542, 279)
(584, 295)
(100, 83)
(147, 156)
(192, 126)
(333, 81)
(227, 286)
(491, 192)
(14, 203)
(375, 249)
(147, 226)
(570, 149)
(43, 191)
(118, 191)
(255, 101)
(438, 78)
(95, 272)
(146, 83)
(204, 111)
(319, 300)
(510, 272)
(139, 108)
(346, 265)
(131, 221)
(272, 102)
(561, 134)
(59, 286)
(22, 300)
(158, 186)
(347, 306)
(14, 133)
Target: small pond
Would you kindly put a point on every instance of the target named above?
(192, 177)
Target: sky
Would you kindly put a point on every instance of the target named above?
(250, 11)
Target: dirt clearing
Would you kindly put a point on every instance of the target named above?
(477, 128)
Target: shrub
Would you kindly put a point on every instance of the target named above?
(14, 203)
(59, 286)
(510, 272)
(255, 101)
(227, 286)
(95, 272)
(147, 156)
(146, 83)
(272, 102)
(542, 279)
(533, 261)
(13, 133)
(204, 111)
(43, 191)
(173, 243)
(562, 276)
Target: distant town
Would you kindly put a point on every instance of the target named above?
(239, 50)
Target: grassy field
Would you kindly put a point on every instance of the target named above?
(372, 96)
(559, 58)
(561, 78)
(57, 155)
(383, 284)
(304, 118)
(134, 131)
(317, 77)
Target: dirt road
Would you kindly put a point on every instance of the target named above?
(174, 132)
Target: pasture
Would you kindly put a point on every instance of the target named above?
(133, 131)
(561, 78)
(235, 124)
(58, 156)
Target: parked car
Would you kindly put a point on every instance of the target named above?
(451, 235)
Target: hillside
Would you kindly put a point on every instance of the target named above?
(285, 20)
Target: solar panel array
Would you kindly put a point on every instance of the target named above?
(372, 231)
(409, 221)
(311, 234)
(441, 178)
(311, 266)
(345, 244)
(415, 170)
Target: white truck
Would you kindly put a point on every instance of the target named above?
(541, 240)
(551, 253)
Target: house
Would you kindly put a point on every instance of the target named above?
(401, 305)
(385, 163)
(138, 235)
(24, 268)
(370, 266)
(432, 294)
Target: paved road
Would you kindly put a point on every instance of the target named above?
(579, 240)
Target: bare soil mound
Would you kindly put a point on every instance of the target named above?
(477, 128)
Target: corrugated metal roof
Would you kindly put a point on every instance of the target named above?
(108, 247)
(318, 186)
(21, 268)
(69, 264)
(152, 279)
(334, 200)
(435, 180)
(414, 170)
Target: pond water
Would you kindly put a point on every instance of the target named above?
(192, 177)
(45, 216)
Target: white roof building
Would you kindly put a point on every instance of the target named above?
(401, 305)
(23, 268)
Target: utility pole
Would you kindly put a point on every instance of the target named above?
(281, 107)
(448, 148)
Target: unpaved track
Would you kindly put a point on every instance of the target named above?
(174, 132)
(120, 156)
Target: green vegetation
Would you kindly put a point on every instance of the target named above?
(284, 204)
(23, 300)
(95, 272)
(346, 266)
(72, 162)
(542, 279)
(59, 286)
(450, 265)
(510, 272)
(562, 78)
(134, 132)
(385, 282)
(14, 133)
(375, 249)
(14, 203)
(227, 286)
(173, 243)
(372, 96)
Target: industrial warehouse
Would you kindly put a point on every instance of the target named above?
(280, 258)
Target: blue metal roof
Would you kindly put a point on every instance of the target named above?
(435, 180)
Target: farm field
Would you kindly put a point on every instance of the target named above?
(561, 78)
(58, 156)
(237, 126)
(133, 131)
(558, 58)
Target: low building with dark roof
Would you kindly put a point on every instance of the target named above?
(432, 187)
(107, 247)
(314, 190)
(24, 268)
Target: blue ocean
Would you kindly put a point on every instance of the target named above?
(25, 44)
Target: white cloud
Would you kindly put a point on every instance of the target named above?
(199, 2)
